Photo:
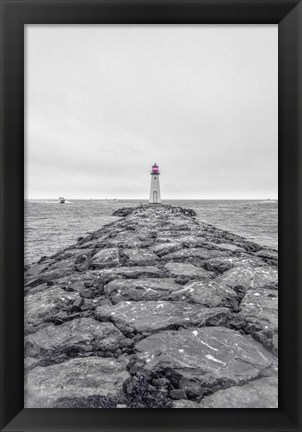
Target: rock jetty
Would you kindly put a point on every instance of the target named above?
(155, 310)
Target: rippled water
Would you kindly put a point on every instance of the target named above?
(50, 226)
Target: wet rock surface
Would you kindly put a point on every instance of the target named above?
(142, 289)
(211, 358)
(75, 338)
(154, 310)
(40, 306)
(77, 383)
(186, 269)
(152, 316)
(260, 310)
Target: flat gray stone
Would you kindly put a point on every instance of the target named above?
(78, 335)
(124, 239)
(262, 393)
(192, 240)
(259, 308)
(152, 316)
(230, 247)
(105, 258)
(180, 269)
(197, 252)
(140, 256)
(40, 306)
(214, 357)
(75, 282)
(75, 380)
(210, 293)
(166, 248)
(142, 289)
(133, 272)
(249, 277)
(242, 260)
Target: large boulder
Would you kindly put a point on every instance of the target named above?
(77, 383)
(259, 308)
(210, 293)
(196, 252)
(133, 272)
(223, 264)
(76, 281)
(166, 248)
(124, 239)
(44, 304)
(192, 239)
(229, 247)
(140, 256)
(249, 277)
(105, 258)
(180, 269)
(142, 289)
(152, 316)
(212, 357)
(74, 252)
(54, 343)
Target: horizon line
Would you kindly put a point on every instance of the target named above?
(166, 199)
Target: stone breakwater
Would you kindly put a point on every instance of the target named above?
(154, 310)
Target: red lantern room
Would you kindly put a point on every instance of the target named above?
(155, 169)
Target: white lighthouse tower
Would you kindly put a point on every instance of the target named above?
(154, 190)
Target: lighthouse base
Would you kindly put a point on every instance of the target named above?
(154, 197)
(155, 194)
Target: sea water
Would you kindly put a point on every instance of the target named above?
(50, 226)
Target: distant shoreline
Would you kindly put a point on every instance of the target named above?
(164, 200)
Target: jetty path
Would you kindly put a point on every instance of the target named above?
(154, 310)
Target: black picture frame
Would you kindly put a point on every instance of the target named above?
(14, 15)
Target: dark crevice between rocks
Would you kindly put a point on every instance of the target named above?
(141, 393)
(262, 335)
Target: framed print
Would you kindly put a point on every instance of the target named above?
(144, 149)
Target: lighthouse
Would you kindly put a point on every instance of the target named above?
(154, 190)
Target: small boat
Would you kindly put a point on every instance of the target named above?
(61, 200)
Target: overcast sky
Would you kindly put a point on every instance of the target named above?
(104, 102)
